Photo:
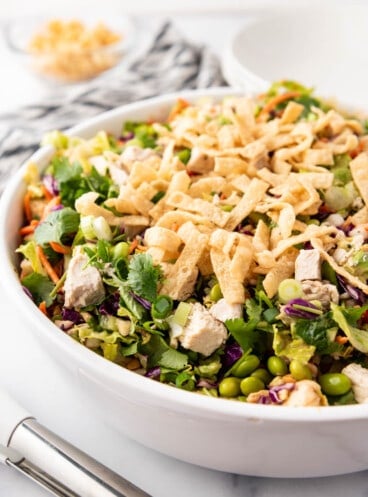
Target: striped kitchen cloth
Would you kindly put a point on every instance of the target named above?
(171, 63)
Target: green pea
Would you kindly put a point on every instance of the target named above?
(335, 384)
(299, 371)
(251, 385)
(215, 293)
(263, 375)
(246, 366)
(277, 366)
(229, 387)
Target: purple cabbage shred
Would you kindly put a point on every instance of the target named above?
(153, 373)
(110, 305)
(144, 302)
(232, 353)
(293, 312)
(27, 292)
(58, 207)
(71, 315)
(50, 184)
(355, 293)
(203, 383)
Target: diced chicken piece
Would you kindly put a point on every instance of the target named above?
(133, 154)
(306, 393)
(341, 256)
(222, 311)
(323, 291)
(118, 175)
(359, 380)
(203, 333)
(308, 265)
(83, 284)
(200, 162)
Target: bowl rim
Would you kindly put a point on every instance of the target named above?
(154, 392)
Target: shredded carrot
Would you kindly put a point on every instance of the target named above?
(60, 249)
(133, 246)
(48, 207)
(46, 264)
(27, 206)
(47, 194)
(271, 104)
(29, 229)
(180, 105)
(42, 307)
(341, 340)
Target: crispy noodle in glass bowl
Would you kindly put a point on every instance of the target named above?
(200, 262)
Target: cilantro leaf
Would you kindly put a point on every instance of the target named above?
(40, 287)
(143, 276)
(74, 182)
(243, 332)
(57, 227)
(316, 332)
(161, 354)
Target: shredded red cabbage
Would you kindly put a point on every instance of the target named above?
(293, 312)
(58, 207)
(154, 372)
(27, 292)
(71, 315)
(50, 184)
(110, 305)
(355, 293)
(144, 302)
(203, 383)
(232, 353)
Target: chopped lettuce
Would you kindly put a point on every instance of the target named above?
(29, 251)
(357, 337)
(292, 348)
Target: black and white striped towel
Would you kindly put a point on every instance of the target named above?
(170, 64)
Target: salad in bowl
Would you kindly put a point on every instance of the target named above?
(221, 250)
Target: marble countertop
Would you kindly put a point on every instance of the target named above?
(45, 390)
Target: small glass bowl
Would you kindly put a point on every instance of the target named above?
(71, 59)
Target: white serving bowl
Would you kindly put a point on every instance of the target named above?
(319, 46)
(221, 434)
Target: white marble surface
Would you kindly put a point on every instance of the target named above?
(46, 391)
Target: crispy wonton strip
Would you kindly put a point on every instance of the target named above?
(359, 170)
(353, 280)
(311, 231)
(284, 269)
(254, 194)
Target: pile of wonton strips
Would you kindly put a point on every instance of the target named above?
(271, 168)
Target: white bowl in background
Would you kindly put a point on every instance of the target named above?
(322, 47)
(220, 434)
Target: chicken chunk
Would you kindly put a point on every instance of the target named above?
(323, 291)
(308, 265)
(359, 380)
(133, 154)
(222, 311)
(200, 162)
(203, 333)
(83, 284)
(306, 393)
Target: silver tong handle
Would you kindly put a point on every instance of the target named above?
(52, 462)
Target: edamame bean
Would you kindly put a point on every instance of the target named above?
(335, 384)
(229, 387)
(277, 366)
(246, 366)
(251, 385)
(215, 293)
(299, 371)
(263, 375)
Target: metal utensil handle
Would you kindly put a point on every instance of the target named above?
(62, 468)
